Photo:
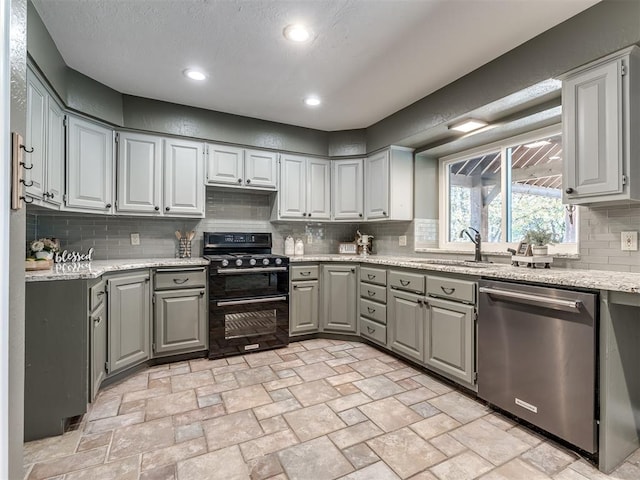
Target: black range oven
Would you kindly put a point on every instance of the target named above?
(248, 293)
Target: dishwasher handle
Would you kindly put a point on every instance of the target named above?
(536, 300)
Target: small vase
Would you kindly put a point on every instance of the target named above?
(44, 254)
(539, 250)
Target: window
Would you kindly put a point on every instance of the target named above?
(505, 189)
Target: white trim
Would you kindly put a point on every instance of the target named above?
(494, 147)
(5, 89)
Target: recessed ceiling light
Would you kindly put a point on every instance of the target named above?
(312, 101)
(538, 144)
(296, 33)
(468, 125)
(194, 74)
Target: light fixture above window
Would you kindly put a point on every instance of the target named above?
(538, 144)
(468, 125)
(194, 74)
(296, 33)
(312, 101)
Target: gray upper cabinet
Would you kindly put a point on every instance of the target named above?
(305, 186)
(339, 298)
(183, 168)
(90, 167)
(44, 182)
(405, 325)
(239, 167)
(347, 189)
(600, 110)
(129, 319)
(388, 185)
(139, 168)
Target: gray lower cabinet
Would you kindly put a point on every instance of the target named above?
(129, 320)
(303, 305)
(406, 323)
(340, 298)
(449, 339)
(98, 326)
(180, 320)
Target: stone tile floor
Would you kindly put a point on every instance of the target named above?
(319, 409)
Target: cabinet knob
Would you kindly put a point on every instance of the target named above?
(309, 214)
(156, 208)
(569, 190)
(353, 270)
(239, 180)
(384, 214)
(304, 214)
(201, 293)
(248, 181)
(107, 206)
(167, 208)
(51, 195)
(360, 215)
(97, 321)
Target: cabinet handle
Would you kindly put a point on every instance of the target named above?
(180, 281)
(24, 182)
(305, 274)
(370, 330)
(248, 181)
(370, 277)
(404, 283)
(420, 302)
(371, 294)
(239, 180)
(100, 293)
(107, 206)
(97, 321)
(51, 195)
(156, 208)
(448, 291)
(569, 190)
(371, 310)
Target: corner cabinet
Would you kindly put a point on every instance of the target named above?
(229, 166)
(388, 185)
(600, 113)
(129, 319)
(44, 180)
(339, 298)
(347, 197)
(305, 188)
(90, 167)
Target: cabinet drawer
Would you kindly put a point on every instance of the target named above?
(411, 282)
(96, 295)
(451, 288)
(373, 275)
(180, 278)
(373, 292)
(373, 310)
(304, 272)
(373, 330)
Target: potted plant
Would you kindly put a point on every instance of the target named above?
(44, 248)
(539, 239)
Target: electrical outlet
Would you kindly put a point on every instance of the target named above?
(402, 240)
(629, 240)
(135, 239)
(309, 238)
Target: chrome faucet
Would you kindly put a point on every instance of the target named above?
(476, 239)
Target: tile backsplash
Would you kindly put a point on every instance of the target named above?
(237, 210)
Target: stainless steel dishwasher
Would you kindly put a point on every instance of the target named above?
(537, 357)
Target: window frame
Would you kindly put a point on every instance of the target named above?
(500, 146)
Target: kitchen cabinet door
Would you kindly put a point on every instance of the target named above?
(304, 307)
(376, 186)
(184, 191)
(139, 168)
(450, 339)
(180, 319)
(293, 187)
(129, 320)
(347, 193)
(261, 169)
(98, 326)
(405, 323)
(318, 189)
(90, 166)
(36, 137)
(225, 165)
(339, 298)
(55, 154)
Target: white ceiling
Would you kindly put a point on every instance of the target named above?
(367, 59)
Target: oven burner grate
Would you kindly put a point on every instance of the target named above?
(249, 324)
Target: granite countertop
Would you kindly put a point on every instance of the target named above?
(592, 279)
(96, 268)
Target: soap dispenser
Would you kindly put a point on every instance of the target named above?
(289, 246)
(299, 248)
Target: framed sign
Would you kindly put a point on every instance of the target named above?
(524, 249)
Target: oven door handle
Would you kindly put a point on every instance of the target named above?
(236, 271)
(227, 303)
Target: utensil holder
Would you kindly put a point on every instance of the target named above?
(184, 248)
